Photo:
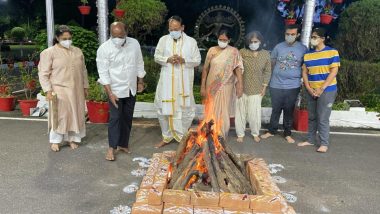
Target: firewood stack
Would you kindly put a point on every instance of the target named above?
(204, 162)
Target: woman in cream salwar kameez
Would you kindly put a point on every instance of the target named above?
(222, 81)
(62, 71)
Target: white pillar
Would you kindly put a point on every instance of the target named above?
(49, 22)
(307, 22)
(102, 20)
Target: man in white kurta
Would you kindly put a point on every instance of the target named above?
(178, 54)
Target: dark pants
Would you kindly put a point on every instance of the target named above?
(120, 123)
(319, 117)
(283, 100)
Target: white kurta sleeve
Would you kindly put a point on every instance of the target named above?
(102, 62)
(195, 57)
(159, 56)
(140, 63)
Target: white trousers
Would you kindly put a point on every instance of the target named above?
(248, 109)
(69, 137)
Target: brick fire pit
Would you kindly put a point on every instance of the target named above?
(154, 197)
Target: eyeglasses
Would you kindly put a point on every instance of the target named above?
(315, 37)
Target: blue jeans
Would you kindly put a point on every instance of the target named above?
(319, 117)
(283, 100)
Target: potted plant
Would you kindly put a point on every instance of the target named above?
(97, 104)
(7, 101)
(290, 18)
(29, 81)
(326, 15)
(119, 13)
(301, 115)
(286, 1)
(84, 9)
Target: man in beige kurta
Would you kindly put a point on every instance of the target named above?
(62, 71)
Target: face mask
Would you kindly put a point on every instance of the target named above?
(175, 34)
(314, 42)
(118, 41)
(66, 43)
(290, 39)
(254, 46)
(222, 44)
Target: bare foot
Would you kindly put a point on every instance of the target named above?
(322, 149)
(159, 145)
(305, 144)
(73, 145)
(240, 139)
(123, 149)
(110, 155)
(266, 135)
(257, 139)
(289, 139)
(55, 147)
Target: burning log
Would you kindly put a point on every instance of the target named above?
(205, 162)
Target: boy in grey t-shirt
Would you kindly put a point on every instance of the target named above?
(285, 83)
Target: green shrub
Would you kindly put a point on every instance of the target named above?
(359, 31)
(341, 106)
(152, 74)
(356, 79)
(96, 91)
(18, 33)
(146, 97)
(143, 16)
(84, 39)
(371, 102)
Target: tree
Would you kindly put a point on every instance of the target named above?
(359, 31)
(142, 16)
(18, 34)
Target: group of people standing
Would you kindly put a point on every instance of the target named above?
(233, 84)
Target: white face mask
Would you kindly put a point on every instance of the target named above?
(66, 43)
(314, 42)
(290, 39)
(175, 34)
(254, 46)
(118, 41)
(222, 44)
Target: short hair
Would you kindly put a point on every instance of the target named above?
(254, 34)
(321, 32)
(225, 32)
(176, 18)
(291, 27)
(59, 31)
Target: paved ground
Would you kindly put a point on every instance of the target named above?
(36, 180)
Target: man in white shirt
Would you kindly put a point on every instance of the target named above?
(178, 54)
(121, 71)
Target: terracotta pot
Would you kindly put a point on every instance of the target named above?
(26, 105)
(119, 13)
(337, 1)
(7, 103)
(326, 19)
(84, 10)
(286, 1)
(301, 119)
(290, 21)
(3, 89)
(98, 112)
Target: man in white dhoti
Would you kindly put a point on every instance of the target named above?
(178, 54)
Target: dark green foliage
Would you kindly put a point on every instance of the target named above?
(359, 31)
(152, 74)
(341, 106)
(84, 39)
(96, 91)
(356, 79)
(371, 102)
